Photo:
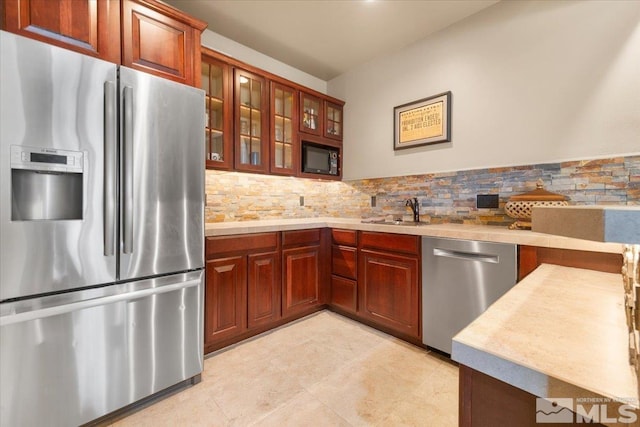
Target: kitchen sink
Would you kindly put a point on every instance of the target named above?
(400, 223)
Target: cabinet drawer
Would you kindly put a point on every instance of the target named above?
(390, 242)
(300, 237)
(344, 294)
(246, 242)
(344, 261)
(344, 237)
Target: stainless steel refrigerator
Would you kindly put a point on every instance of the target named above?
(102, 234)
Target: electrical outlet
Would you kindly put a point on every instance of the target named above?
(487, 201)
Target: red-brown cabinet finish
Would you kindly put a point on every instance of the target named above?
(311, 114)
(147, 35)
(344, 294)
(530, 257)
(242, 291)
(218, 136)
(301, 281)
(251, 122)
(160, 40)
(283, 129)
(263, 289)
(344, 270)
(344, 261)
(344, 237)
(486, 401)
(388, 289)
(86, 26)
(225, 298)
(334, 121)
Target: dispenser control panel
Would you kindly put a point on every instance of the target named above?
(46, 159)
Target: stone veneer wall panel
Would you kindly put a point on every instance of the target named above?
(444, 197)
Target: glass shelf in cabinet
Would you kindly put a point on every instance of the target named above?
(214, 99)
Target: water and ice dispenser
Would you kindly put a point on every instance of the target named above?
(46, 184)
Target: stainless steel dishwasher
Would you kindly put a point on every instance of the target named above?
(460, 280)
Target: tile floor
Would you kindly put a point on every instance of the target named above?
(323, 370)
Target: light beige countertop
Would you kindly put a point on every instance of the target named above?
(560, 332)
(454, 231)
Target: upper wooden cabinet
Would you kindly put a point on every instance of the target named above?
(251, 122)
(218, 135)
(333, 120)
(147, 35)
(311, 114)
(320, 116)
(283, 135)
(269, 120)
(86, 26)
(161, 40)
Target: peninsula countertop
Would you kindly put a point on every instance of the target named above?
(560, 332)
(486, 233)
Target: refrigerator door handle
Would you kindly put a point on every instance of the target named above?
(81, 305)
(110, 142)
(127, 204)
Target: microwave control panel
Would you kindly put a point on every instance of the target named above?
(333, 163)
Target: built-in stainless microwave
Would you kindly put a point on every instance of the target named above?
(320, 159)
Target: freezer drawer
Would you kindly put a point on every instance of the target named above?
(460, 280)
(71, 358)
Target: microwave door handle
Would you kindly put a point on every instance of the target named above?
(109, 202)
(127, 178)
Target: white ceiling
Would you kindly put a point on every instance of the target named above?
(325, 38)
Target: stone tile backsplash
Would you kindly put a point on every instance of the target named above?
(443, 197)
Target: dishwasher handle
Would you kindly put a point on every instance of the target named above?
(470, 256)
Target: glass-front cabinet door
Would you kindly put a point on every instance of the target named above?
(218, 134)
(333, 121)
(310, 114)
(284, 151)
(252, 124)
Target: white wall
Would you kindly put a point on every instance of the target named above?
(245, 54)
(531, 81)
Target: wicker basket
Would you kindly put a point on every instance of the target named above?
(519, 207)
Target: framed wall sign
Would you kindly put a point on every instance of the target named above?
(422, 122)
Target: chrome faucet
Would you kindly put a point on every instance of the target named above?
(415, 207)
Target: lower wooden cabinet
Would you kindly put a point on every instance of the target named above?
(301, 287)
(255, 282)
(344, 270)
(388, 287)
(375, 278)
(530, 258)
(304, 270)
(263, 286)
(344, 294)
(487, 401)
(225, 298)
(242, 286)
